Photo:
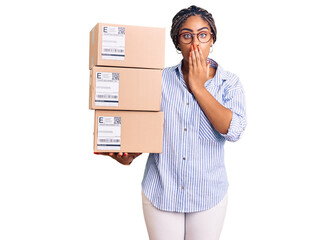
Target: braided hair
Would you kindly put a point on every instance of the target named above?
(183, 15)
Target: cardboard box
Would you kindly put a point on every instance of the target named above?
(128, 131)
(125, 89)
(127, 46)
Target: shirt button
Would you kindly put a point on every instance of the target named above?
(185, 129)
(182, 187)
(184, 158)
(187, 103)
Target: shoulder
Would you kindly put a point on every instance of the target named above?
(228, 79)
(169, 70)
(224, 78)
(169, 73)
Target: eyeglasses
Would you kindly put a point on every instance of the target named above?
(188, 37)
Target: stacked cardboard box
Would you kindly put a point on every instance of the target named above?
(126, 65)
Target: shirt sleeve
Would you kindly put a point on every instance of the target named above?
(234, 99)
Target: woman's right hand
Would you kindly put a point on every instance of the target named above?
(123, 158)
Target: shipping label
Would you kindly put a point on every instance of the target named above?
(107, 89)
(113, 43)
(109, 133)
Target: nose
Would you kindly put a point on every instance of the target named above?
(195, 39)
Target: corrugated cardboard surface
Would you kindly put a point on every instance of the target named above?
(144, 47)
(139, 89)
(140, 131)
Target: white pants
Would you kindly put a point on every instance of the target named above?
(162, 225)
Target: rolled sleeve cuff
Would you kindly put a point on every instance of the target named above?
(236, 128)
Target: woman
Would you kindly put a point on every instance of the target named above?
(184, 188)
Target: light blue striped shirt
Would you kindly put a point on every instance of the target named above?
(189, 175)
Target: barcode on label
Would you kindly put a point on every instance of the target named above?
(107, 96)
(115, 76)
(117, 120)
(108, 140)
(113, 50)
(121, 30)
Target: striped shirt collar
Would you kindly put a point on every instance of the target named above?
(217, 80)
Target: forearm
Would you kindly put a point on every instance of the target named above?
(219, 116)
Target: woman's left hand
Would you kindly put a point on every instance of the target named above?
(198, 68)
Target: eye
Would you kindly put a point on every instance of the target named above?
(203, 34)
(187, 35)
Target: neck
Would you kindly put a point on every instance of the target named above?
(185, 67)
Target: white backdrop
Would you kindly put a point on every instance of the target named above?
(281, 173)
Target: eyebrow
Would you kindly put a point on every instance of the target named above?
(188, 29)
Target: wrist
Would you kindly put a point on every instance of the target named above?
(198, 90)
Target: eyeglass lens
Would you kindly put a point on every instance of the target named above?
(188, 37)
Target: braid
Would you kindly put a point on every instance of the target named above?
(183, 15)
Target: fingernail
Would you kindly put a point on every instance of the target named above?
(95, 153)
(125, 154)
